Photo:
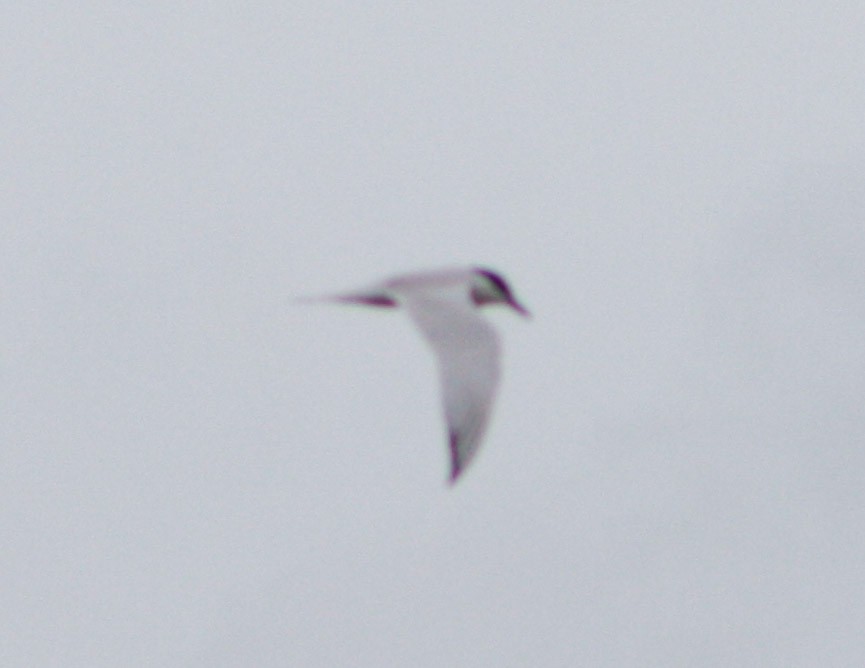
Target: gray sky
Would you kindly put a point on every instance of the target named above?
(195, 471)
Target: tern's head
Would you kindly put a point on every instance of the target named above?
(488, 287)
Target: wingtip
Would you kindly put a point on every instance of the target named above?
(456, 469)
(454, 476)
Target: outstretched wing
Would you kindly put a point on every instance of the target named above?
(467, 350)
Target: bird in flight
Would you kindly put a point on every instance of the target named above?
(445, 307)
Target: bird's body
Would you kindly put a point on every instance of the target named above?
(445, 306)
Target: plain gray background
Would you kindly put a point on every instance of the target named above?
(195, 471)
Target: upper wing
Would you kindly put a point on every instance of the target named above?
(467, 350)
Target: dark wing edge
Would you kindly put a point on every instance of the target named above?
(456, 464)
(464, 445)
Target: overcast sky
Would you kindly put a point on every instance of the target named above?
(196, 471)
